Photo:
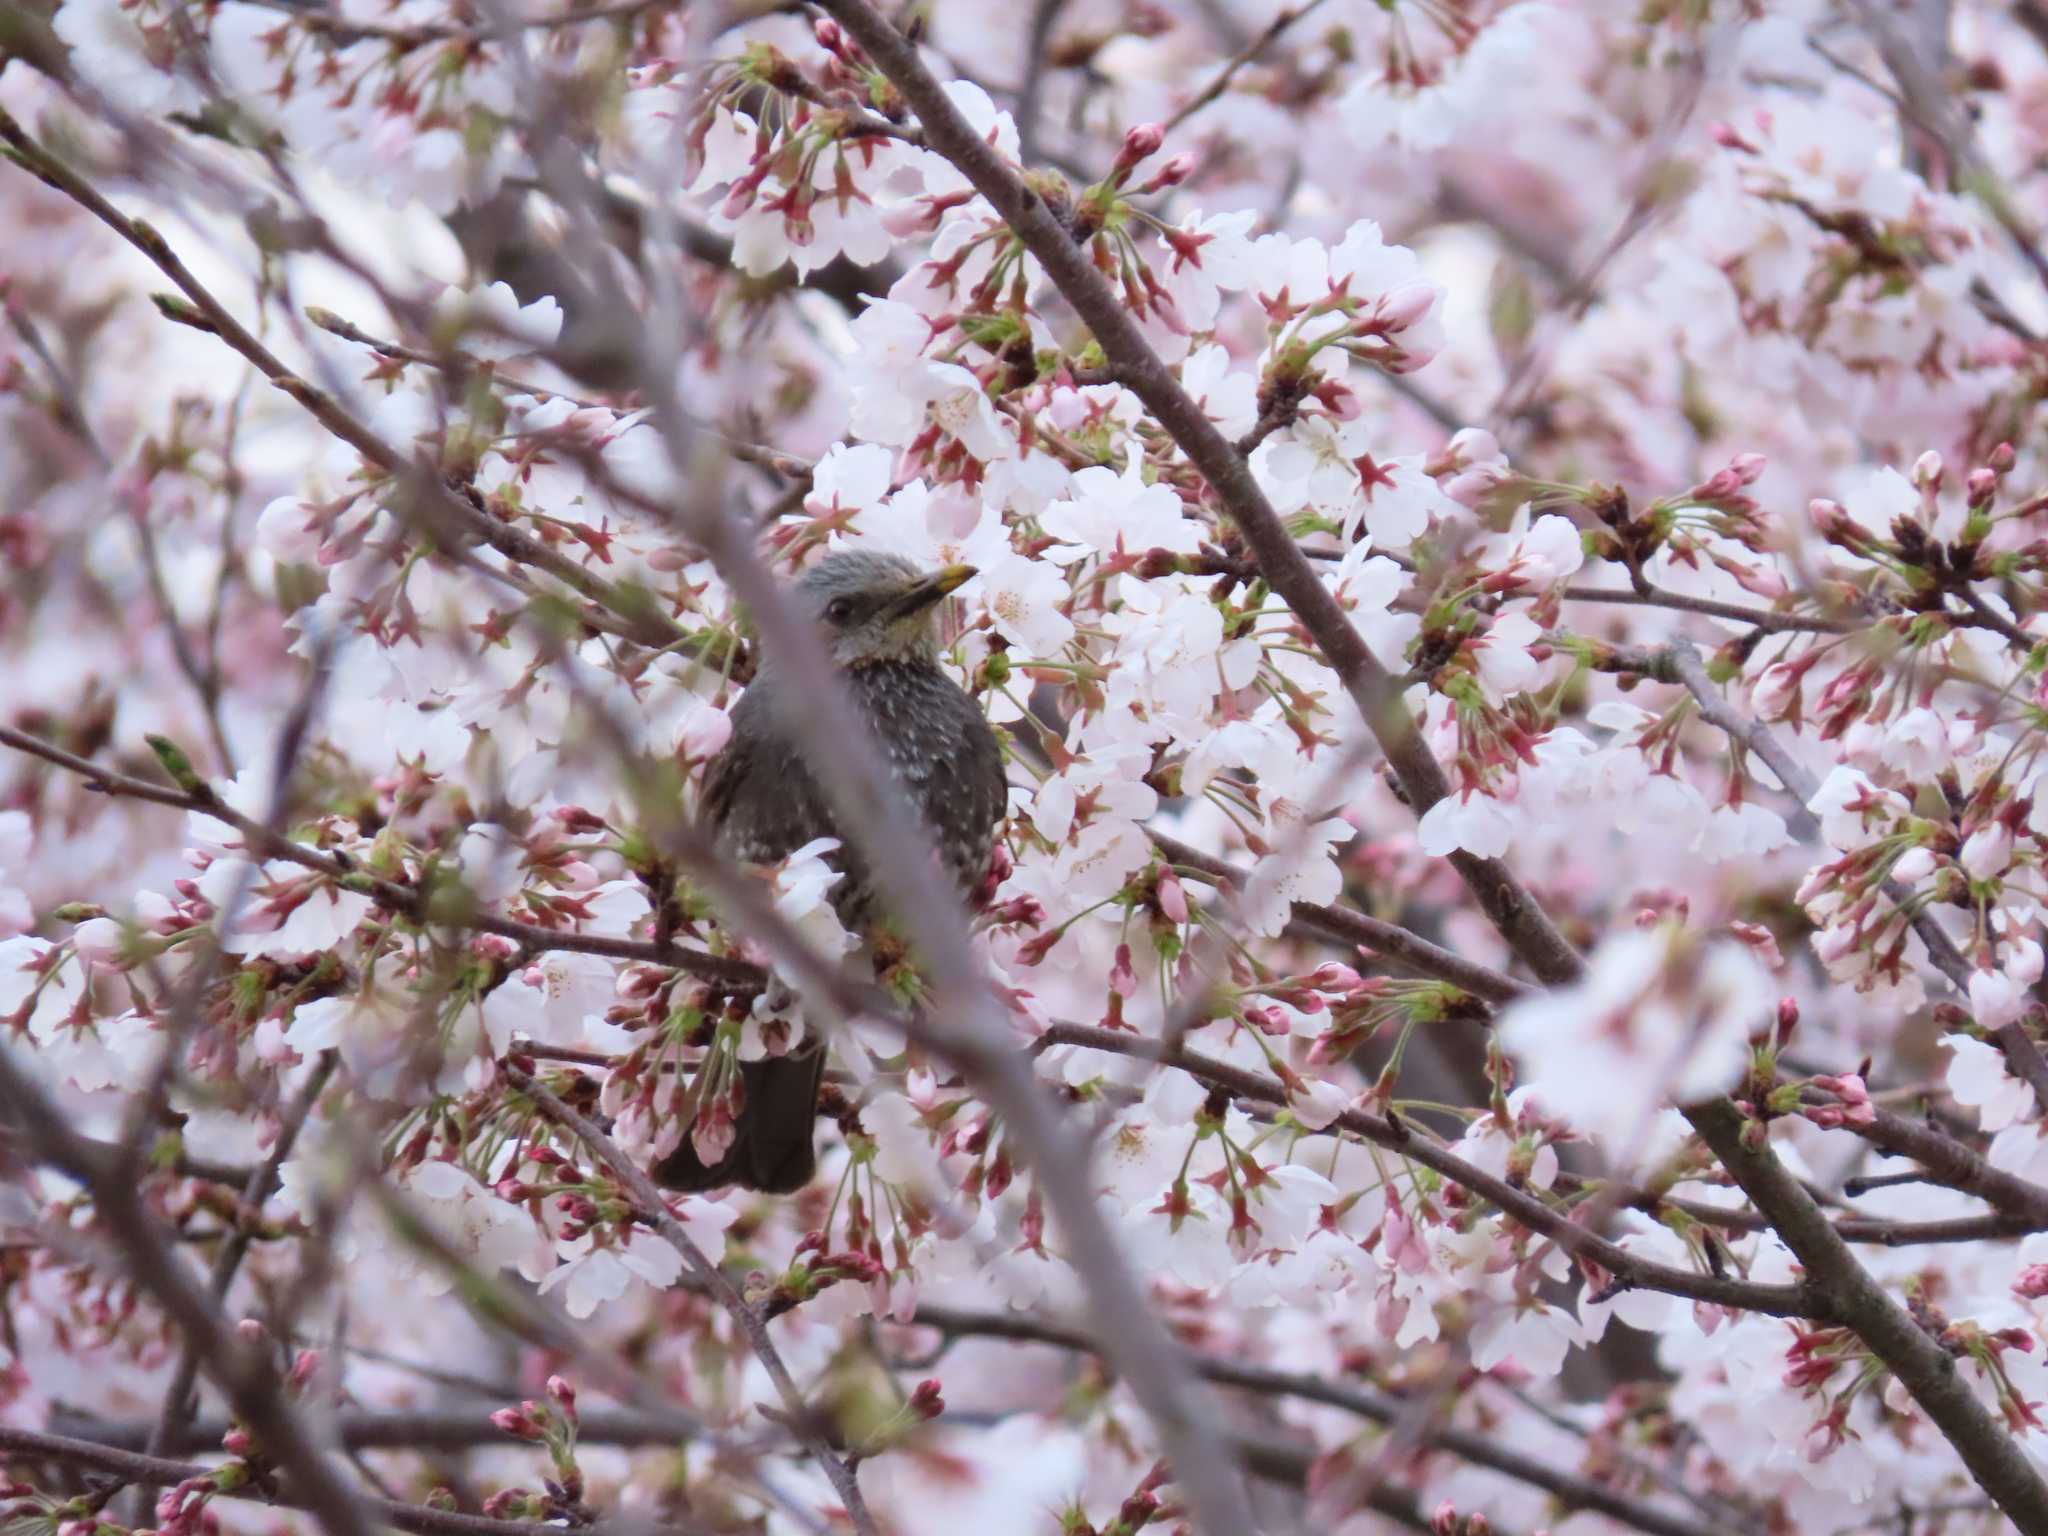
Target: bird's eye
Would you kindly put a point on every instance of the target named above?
(839, 610)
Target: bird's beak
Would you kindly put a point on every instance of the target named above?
(927, 592)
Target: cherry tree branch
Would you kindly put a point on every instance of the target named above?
(441, 508)
(1948, 1162)
(1629, 1270)
(2021, 1051)
(179, 1403)
(1481, 1450)
(873, 812)
(397, 896)
(1521, 921)
(654, 1211)
(1926, 1369)
(1769, 620)
(1356, 928)
(416, 1519)
(1220, 82)
(243, 1374)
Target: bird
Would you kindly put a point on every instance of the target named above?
(878, 615)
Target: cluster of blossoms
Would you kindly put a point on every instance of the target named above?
(356, 729)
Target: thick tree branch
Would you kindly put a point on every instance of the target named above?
(1513, 911)
(243, 1374)
(1927, 1370)
(1628, 1269)
(1575, 1493)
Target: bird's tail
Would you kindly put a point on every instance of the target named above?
(772, 1147)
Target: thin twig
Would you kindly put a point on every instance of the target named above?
(802, 1419)
(179, 1402)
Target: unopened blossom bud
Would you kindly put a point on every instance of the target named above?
(2001, 459)
(2023, 961)
(236, 1442)
(1995, 999)
(516, 1423)
(1788, 1018)
(1747, 467)
(1409, 304)
(1913, 866)
(101, 939)
(494, 946)
(925, 1401)
(1172, 896)
(1139, 142)
(1981, 486)
(563, 1393)
(1334, 976)
(1033, 951)
(1000, 1174)
(908, 220)
(1172, 174)
(1444, 1521)
(305, 1366)
(1832, 521)
(1987, 852)
(1267, 1021)
(1123, 978)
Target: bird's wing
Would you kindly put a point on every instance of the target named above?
(759, 798)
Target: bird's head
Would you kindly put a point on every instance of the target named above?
(876, 607)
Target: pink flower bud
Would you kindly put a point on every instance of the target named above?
(1172, 174)
(1172, 896)
(925, 1401)
(2023, 960)
(1987, 852)
(1927, 471)
(516, 1424)
(2001, 459)
(1139, 142)
(1913, 866)
(1788, 1018)
(1408, 304)
(1747, 467)
(563, 1393)
(1981, 486)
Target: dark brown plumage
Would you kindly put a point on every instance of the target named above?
(876, 611)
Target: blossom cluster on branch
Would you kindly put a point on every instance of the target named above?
(1509, 548)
